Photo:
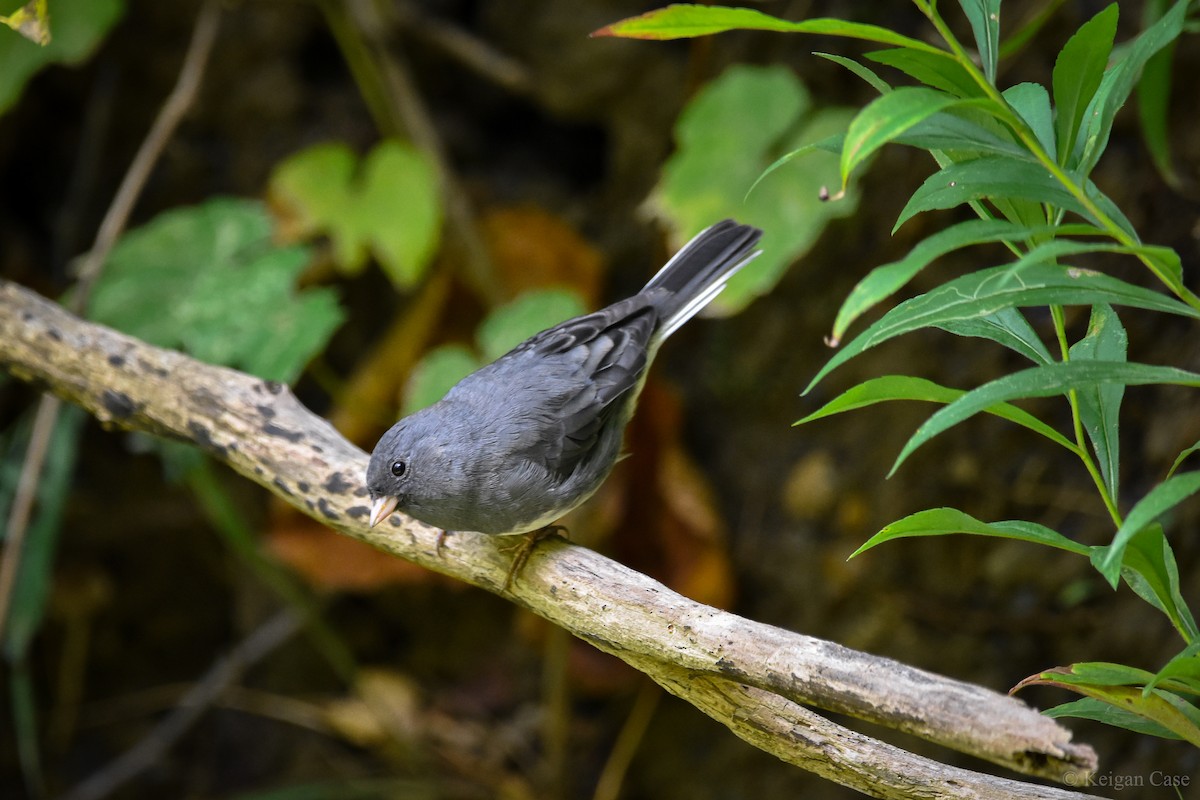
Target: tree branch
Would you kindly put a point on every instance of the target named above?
(750, 676)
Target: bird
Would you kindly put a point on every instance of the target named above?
(515, 445)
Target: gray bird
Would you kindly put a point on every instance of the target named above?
(518, 443)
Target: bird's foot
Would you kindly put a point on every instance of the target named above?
(441, 542)
(528, 543)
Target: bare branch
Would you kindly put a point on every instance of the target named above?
(750, 676)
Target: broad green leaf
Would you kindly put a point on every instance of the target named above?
(388, 207)
(905, 387)
(1078, 72)
(1149, 567)
(887, 117)
(1047, 381)
(1158, 501)
(943, 521)
(884, 280)
(1098, 710)
(685, 21)
(990, 177)
(1007, 327)
(1120, 686)
(1154, 95)
(1032, 104)
(1119, 81)
(435, 374)
(76, 26)
(938, 70)
(209, 280)
(34, 578)
(987, 291)
(1100, 404)
(861, 70)
(510, 324)
(730, 131)
(984, 16)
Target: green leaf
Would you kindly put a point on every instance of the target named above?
(685, 21)
(1154, 95)
(943, 521)
(1148, 566)
(209, 280)
(1047, 381)
(1032, 104)
(887, 117)
(1158, 501)
(1183, 670)
(987, 291)
(435, 374)
(389, 208)
(1008, 327)
(1179, 459)
(1100, 404)
(35, 574)
(1119, 81)
(905, 387)
(77, 27)
(731, 130)
(965, 132)
(1119, 686)
(861, 70)
(989, 177)
(1098, 710)
(885, 280)
(938, 70)
(1078, 72)
(510, 324)
(984, 16)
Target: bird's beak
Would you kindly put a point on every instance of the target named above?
(382, 508)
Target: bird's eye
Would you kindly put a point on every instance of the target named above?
(399, 468)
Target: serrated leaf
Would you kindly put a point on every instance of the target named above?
(1119, 81)
(1100, 404)
(885, 280)
(1007, 327)
(906, 387)
(685, 21)
(77, 27)
(939, 70)
(1078, 72)
(435, 374)
(887, 117)
(944, 521)
(987, 291)
(1158, 501)
(1047, 381)
(730, 131)
(1032, 102)
(510, 324)
(209, 280)
(984, 16)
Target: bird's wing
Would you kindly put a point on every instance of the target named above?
(575, 376)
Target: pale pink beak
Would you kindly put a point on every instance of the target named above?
(382, 508)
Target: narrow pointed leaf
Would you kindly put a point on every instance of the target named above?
(861, 70)
(1032, 102)
(907, 387)
(1100, 404)
(1179, 459)
(1148, 566)
(1007, 327)
(990, 290)
(1182, 670)
(938, 70)
(984, 16)
(1098, 710)
(1159, 500)
(944, 521)
(1077, 75)
(1051, 380)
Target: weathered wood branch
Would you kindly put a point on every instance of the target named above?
(750, 676)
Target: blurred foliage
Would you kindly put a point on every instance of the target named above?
(76, 28)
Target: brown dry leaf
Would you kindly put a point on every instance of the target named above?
(533, 249)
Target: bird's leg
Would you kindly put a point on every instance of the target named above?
(441, 541)
(530, 541)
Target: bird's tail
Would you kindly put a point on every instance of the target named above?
(700, 270)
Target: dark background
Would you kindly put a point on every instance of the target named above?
(582, 143)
